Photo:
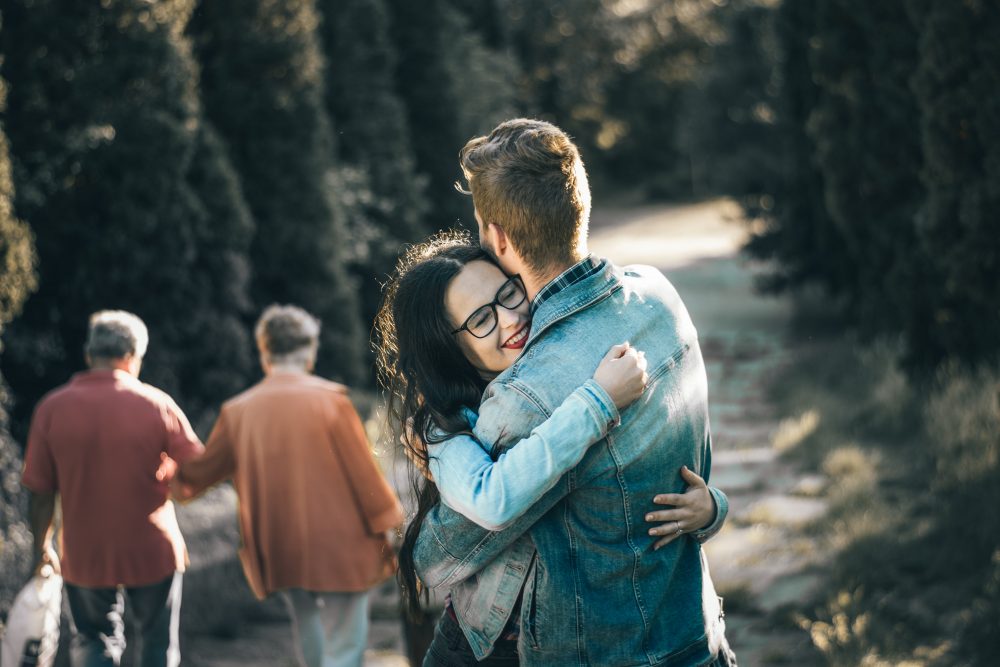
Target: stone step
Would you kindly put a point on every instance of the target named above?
(783, 510)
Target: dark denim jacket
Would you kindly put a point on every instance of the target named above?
(595, 592)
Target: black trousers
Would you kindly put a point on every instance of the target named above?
(99, 630)
(450, 648)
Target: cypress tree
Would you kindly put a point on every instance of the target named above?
(864, 127)
(217, 358)
(487, 19)
(370, 119)
(483, 78)
(17, 251)
(567, 53)
(424, 81)
(17, 281)
(383, 195)
(647, 104)
(730, 119)
(956, 83)
(263, 90)
(105, 129)
(795, 229)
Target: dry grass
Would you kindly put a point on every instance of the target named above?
(912, 483)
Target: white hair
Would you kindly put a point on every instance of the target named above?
(116, 334)
(288, 335)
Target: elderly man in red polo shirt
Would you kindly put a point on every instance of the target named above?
(97, 443)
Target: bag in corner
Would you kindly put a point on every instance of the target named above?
(32, 634)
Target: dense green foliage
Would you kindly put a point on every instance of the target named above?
(300, 144)
(263, 88)
(729, 126)
(423, 81)
(956, 84)
(882, 174)
(648, 135)
(864, 132)
(132, 202)
(567, 52)
(381, 191)
(881, 190)
(17, 281)
(17, 251)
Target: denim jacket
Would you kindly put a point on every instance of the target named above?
(594, 590)
(494, 493)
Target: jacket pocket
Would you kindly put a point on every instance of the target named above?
(529, 606)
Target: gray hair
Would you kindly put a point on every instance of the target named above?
(116, 334)
(287, 335)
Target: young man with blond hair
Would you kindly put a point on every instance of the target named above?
(593, 584)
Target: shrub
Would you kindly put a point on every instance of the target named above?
(963, 426)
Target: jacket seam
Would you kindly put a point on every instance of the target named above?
(669, 363)
(563, 313)
(524, 390)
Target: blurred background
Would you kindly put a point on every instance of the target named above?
(820, 178)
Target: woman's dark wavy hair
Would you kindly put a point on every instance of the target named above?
(426, 376)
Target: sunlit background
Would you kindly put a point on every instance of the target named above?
(819, 178)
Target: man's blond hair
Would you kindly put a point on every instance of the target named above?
(527, 177)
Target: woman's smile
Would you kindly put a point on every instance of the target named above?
(475, 299)
(517, 341)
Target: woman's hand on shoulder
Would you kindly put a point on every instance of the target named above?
(622, 373)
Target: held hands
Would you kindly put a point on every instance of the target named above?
(167, 469)
(622, 373)
(167, 472)
(694, 509)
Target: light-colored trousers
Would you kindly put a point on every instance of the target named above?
(330, 629)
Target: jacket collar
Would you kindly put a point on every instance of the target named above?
(578, 296)
(287, 376)
(103, 375)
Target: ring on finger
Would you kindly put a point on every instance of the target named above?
(679, 529)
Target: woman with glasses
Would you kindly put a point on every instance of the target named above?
(450, 322)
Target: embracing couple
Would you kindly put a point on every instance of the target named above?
(555, 403)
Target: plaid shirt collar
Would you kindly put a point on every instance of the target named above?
(574, 274)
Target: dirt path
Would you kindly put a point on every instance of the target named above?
(760, 563)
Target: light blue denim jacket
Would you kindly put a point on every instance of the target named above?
(494, 493)
(595, 592)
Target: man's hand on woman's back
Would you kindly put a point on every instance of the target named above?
(692, 510)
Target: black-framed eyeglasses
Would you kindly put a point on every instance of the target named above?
(483, 320)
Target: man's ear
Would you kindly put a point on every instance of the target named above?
(498, 239)
(134, 364)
